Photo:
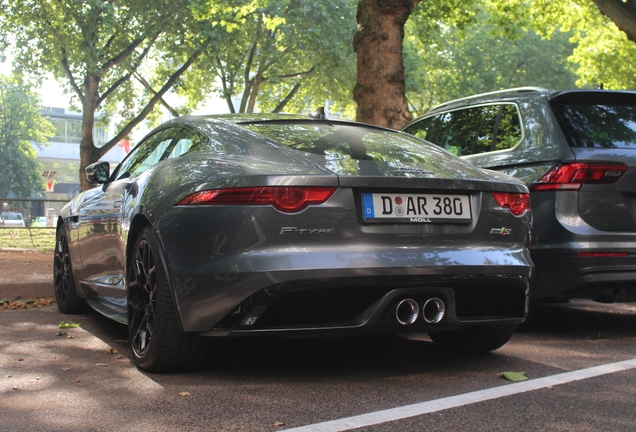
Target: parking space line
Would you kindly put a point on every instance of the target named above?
(428, 407)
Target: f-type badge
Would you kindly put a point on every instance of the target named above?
(297, 230)
(503, 231)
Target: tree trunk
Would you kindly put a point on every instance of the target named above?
(88, 152)
(623, 13)
(380, 89)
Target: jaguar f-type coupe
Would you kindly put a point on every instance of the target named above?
(245, 225)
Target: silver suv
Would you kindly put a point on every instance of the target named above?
(576, 151)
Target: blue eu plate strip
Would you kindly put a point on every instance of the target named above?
(367, 205)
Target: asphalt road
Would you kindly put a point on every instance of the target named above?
(73, 380)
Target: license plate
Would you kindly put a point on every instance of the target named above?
(416, 208)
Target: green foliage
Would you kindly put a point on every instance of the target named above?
(284, 55)
(117, 56)
(478, 57)
(602, 55)
(20, 124)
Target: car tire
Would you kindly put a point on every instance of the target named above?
(157, 343)
(473, 339)
(63, 278)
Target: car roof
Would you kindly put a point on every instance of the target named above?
(489, 96)
(574, 95)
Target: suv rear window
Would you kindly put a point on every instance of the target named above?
(597, 125)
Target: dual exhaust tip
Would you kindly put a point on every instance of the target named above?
(408, 310)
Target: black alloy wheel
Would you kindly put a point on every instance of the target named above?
(142, 300)
(63, 279)
(158, 344)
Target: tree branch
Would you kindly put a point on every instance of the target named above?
(299, 74)
(622, 13)
(150, 106)
(69, 75)
(149, 88)
(126, 77)
(227, 93)
(122, 55)
(287, 98)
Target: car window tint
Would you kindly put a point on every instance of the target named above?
(145, 154)
(151, 159)
(598, 125)
(472, 130)
(487, 118)
(187, 141)
(509, 128)
(426, 128)
(339, 141)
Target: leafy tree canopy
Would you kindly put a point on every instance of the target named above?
(20, 124)
(455, 61)
(101, 49)
(284, 55)
(603, 54)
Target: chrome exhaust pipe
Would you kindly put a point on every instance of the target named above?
(407, 311)
(433, 310)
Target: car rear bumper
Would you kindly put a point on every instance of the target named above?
(564, 274)
(349, 298)
(356, 306)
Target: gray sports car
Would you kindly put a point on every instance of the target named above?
(243, 225)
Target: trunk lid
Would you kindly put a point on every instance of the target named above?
(600, 127)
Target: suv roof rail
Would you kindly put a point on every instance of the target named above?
(515, 90)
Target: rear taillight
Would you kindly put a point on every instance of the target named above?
(285, 198)
(517, 203)
(572, 176)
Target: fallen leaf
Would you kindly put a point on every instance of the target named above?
(76, 381)
(279, 424)
(70, 337)
(119, 357)
(68, 325)
(20, 359)
(112, 351)
(101, 364)
(514, 376)
(66, 369)
(61, 333)
(184, 393)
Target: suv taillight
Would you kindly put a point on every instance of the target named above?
(288, 199)
(572, 176)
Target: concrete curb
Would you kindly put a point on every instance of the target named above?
(30, 289)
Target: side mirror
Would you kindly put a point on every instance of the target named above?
(98, 172)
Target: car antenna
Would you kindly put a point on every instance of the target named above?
(319, 114)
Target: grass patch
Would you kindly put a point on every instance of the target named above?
(27, 238)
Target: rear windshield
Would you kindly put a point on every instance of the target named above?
(342, 141)
(598, 125)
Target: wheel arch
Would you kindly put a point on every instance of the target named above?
(137, 225)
